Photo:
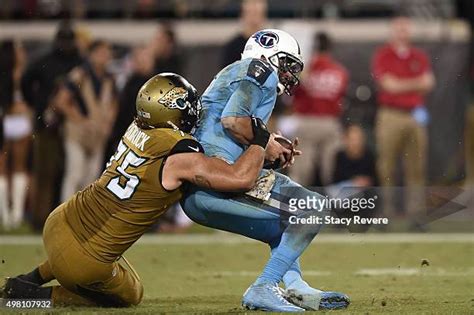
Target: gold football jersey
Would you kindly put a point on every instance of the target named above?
(112, 213)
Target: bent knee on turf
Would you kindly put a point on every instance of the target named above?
(136, 296)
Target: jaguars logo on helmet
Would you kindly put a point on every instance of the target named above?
(167, 100)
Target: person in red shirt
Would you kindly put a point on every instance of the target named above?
(403, 76)
(318, 105)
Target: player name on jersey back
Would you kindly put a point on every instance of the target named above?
(137, 137)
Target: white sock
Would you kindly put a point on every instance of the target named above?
(19, 188)
(4, 211)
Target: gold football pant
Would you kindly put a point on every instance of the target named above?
(84, 280)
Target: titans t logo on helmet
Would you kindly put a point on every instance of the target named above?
(266, 39)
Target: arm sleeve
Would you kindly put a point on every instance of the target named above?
(187, 146)
(245, 99)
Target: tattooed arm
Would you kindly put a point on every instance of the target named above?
(183, 165)
(213, 173)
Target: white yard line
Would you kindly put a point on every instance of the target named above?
(247, 273)
(372, 272)
(227, 238)
(424, 271)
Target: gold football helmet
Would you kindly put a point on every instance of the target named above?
(167, 100)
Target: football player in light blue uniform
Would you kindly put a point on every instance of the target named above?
(270, 65)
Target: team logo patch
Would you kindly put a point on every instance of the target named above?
(258, 71)
(170, 99)
(266, 39)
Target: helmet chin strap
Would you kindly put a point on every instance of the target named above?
(176, 128)
(172, 125)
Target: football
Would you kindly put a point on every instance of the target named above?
(278, 163)
(284, 142)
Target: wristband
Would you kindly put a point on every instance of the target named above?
(260, 132)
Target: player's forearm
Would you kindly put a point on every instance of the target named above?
(217, 174)
(240, 128)
(250, 163)
(240, 176)
(248, 166)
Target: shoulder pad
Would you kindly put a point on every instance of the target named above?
(163, 140)
(259, 70)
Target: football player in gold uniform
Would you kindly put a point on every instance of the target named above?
(85, 237)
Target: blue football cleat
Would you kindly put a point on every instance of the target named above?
(313, 299)
(267, 297)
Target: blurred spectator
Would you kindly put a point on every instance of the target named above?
(165, 51)
(83, 40)
(355, 164)
(17, 128)
(142, 63)
(88, 102)
(253, 16)
(403, 75)
(318, 107)
(38, 84)
(354, 175)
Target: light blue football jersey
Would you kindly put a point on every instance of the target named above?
(245, 88)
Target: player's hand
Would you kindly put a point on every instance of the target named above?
(276, 151)
(290, 160)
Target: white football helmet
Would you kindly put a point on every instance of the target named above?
(282, 51)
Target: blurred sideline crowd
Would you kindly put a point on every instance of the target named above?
(63, 116)
(63, 113)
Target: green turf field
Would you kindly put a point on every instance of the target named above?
(209, 273)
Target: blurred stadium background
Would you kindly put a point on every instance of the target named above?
(48, 152)
(196, 39)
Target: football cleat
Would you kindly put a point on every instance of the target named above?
(312, 299)
(17, 288)
(267, 297)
